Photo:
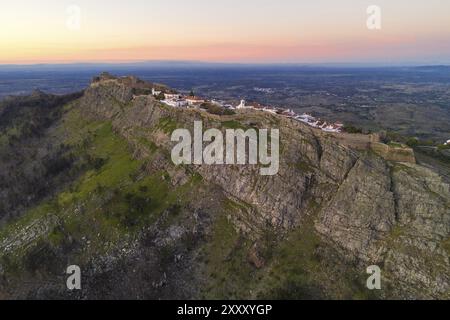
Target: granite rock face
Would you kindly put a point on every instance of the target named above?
(362, 212)
(373, 210)
(369, 210)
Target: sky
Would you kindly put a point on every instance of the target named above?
(247, 31)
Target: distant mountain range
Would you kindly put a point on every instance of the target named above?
(200, 64)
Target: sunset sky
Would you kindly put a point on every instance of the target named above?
(259, 31)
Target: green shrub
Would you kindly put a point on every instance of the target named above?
(352, 129)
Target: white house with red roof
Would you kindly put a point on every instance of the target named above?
(193, 100)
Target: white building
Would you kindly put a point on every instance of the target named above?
(155, 92)
(218, 102)
(171, 96)
(192, 101)
(289, 113)
(176, 103)
(243, 105)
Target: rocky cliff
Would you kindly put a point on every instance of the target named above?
(220, 231)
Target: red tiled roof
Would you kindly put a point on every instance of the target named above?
(194, 98)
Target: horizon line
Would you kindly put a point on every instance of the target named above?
(201, 62)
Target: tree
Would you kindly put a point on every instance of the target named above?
(160, 96)
(412, 142)
(352, 129)
(212, 108)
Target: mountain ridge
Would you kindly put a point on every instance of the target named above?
(308, 232)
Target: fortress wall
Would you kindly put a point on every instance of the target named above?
(354, 141)
(396, 154)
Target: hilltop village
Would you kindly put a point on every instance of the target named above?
(177, 100)
(391, 152)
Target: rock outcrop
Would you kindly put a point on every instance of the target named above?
(363, 201)
(365, 207)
